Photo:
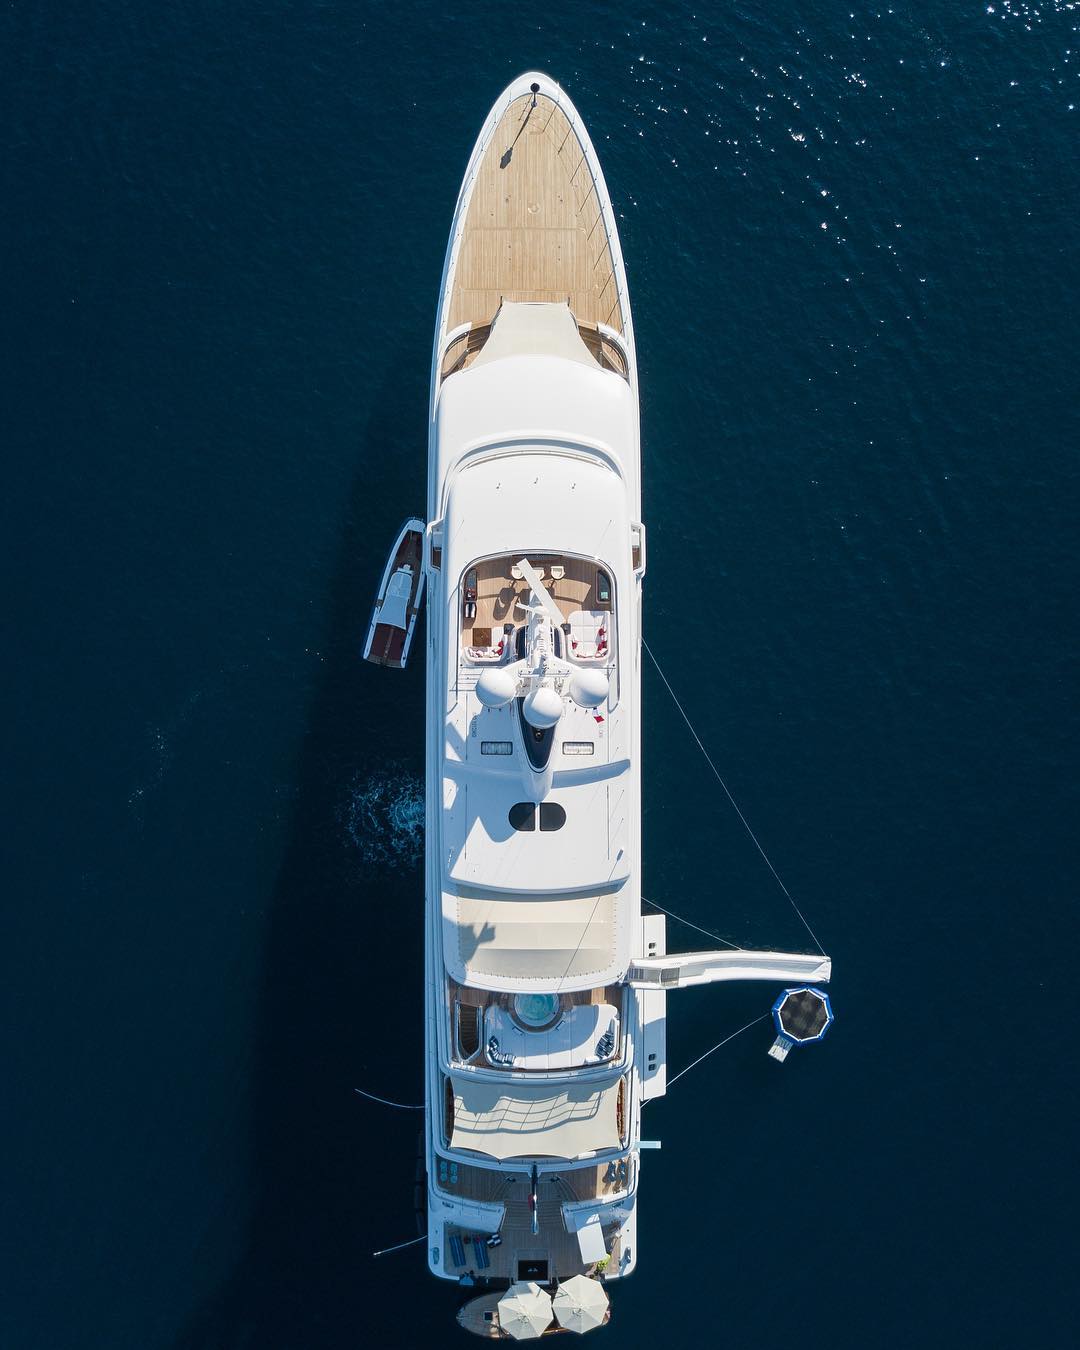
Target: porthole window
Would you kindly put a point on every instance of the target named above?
(552, 817)
(523, 816)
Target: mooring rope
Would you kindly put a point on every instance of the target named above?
(716, 1047)
(731, 799)
(679, 919)
(401, 1106)
(411, 1243)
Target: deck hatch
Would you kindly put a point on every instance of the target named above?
(552, 817)
(522, 816)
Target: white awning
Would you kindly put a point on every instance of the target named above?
(493, 941)
(521, 1121)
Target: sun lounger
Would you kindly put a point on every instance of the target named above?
(589, 634)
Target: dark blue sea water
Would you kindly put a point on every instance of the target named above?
(850, 233)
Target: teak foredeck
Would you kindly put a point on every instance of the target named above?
(534, 229)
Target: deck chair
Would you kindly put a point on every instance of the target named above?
(589, 634)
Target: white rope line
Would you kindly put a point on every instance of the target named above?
(411, 1243)
(679, 919)
(717, 1047)
(401, 1106)
(731, 799)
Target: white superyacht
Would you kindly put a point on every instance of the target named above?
(545, 983)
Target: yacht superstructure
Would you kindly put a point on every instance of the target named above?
(545, 983)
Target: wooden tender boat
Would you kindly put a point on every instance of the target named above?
(393, 619)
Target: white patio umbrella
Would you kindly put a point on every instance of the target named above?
(525, 1311)
(581, 1304)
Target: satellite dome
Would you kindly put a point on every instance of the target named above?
(543, 708)
(496, 687)
(588, 688)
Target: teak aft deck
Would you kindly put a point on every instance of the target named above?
(522, 1254)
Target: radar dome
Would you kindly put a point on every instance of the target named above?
(496, 687)
(588, 688)
(543, 708)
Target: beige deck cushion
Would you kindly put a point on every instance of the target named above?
(535, 330)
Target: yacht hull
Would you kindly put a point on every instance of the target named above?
(533, 471)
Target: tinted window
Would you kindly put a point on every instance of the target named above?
(523, 816)
(552, 816)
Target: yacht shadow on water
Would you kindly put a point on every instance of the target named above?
(330, 1175)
